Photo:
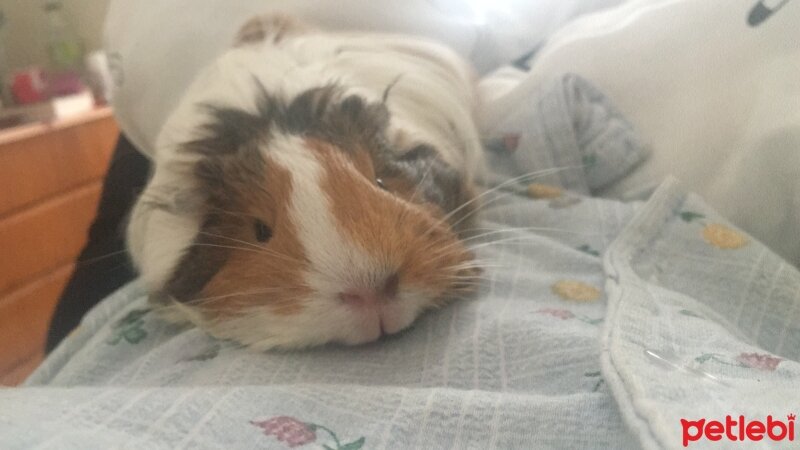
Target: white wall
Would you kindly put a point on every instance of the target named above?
(25, 30)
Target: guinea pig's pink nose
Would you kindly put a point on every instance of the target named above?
(361, 297)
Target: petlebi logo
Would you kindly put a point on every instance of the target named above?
(739, 429)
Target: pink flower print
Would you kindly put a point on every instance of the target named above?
(295, 433)
(562, 314)
(287, 429)
(757, 361)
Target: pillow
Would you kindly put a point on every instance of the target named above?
(712, 88)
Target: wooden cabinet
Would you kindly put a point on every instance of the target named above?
(50, 183)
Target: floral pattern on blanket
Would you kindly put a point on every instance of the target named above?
(295, 433)
(565, 314)
(130, 328)
(575, 290)
(765, 362)
(716, 234)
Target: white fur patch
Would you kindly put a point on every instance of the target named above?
(157, 237)
(334, 258)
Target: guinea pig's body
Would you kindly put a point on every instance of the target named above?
(310, 187)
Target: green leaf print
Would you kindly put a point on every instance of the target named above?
(355, 445)
(589, 160)
(129, 328)
(585, 248)
(689, 216)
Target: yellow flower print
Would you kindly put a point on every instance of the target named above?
(538, 190)
(716, 234)
(575, 290)
(721, 236)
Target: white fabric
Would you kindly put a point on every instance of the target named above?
(695, 331)
(716, 99)
(156, 47)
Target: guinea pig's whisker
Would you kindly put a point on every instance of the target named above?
(257, 247)
(473, 280)
(477, 265)
(440, 245)
(528, 177)
(465, 284)
(234, 213)
(208, 300)
(234, 294)
(244, 249)
(443, 249)
(467, 272)
(527, 229)
(459, 270)
(446, 251)
(483, 205)
(249, 244)
(405, 211)
(505, 240)
(446, 248)
(95, 259)
(476, 280)
(421, 182)
(232, 247)
(468, 240)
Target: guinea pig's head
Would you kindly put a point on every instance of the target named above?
(308, 228)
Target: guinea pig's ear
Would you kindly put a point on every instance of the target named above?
(369, 117)
(160, 228)
(359, 123)
(432, 180)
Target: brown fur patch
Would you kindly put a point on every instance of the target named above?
(404, 233)
(278, 268)
(226, 264)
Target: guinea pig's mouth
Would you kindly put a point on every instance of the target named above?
(376, 320)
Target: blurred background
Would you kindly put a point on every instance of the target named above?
(56, 140)
(25, 35)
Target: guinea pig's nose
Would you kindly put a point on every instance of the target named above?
(361, 297)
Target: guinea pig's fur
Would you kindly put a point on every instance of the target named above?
(310, 187)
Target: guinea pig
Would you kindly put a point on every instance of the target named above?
(312, 187)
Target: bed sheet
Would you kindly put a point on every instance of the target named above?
(600, 324)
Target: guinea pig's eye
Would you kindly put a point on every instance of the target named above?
(379, 182)
(263, 232)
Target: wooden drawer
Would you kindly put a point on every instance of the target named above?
(47, 236)
(38, 162)
(50, 184)
(19, 373)
(25, 316)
